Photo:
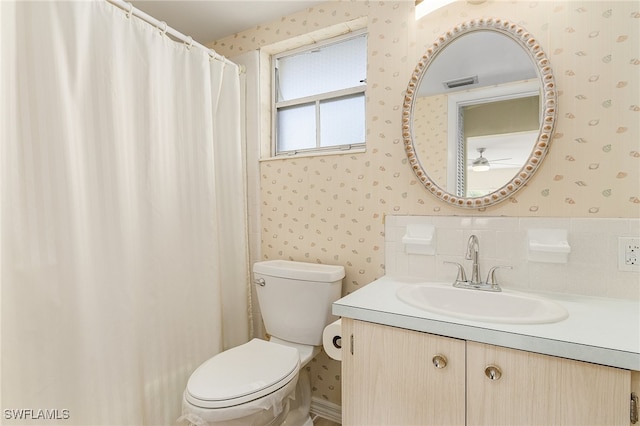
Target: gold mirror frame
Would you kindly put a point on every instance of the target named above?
(547, 123)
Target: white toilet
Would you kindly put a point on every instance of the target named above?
(264, 383)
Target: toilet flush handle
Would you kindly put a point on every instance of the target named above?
(260, 282)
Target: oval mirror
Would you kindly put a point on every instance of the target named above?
(479, 113)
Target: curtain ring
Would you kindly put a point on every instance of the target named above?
(130, 11)
(189, 42)
(163, 30)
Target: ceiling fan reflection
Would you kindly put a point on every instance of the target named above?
(482, 164)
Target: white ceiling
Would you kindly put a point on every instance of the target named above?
(209, 20)
(491, 56)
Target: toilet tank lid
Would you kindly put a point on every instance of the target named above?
(299, 270)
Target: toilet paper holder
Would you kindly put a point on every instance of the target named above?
(337, 342)
(332, 340)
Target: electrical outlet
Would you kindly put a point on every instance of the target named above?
(629, 253)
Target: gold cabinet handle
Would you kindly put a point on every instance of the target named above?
(493, 372)
(439, 361)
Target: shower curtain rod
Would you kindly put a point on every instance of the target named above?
(162, 26)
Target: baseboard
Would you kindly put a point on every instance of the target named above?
(326, 410)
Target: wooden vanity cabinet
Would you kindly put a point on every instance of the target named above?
(539, 389)
(391, 376)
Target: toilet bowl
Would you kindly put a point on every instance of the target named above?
(249, 384)
(263, 383)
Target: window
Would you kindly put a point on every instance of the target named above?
(319, 96)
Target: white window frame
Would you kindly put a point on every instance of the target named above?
(315, 99)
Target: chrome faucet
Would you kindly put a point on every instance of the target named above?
(473, 249)
(473, 253)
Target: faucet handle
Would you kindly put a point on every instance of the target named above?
(462, 277)
(491, 276)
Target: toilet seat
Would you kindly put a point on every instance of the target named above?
(242, 374)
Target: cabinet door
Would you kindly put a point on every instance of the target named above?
(536, 389)
(390, 378)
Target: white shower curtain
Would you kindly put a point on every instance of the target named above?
(123, 237)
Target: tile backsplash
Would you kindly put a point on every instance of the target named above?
(591, 269)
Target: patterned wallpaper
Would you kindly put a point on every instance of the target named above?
(430, 135)
(331, 209)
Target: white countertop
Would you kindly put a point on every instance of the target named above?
(598, 330)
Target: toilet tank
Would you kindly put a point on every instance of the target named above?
(295, 298)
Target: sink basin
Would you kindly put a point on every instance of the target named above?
(504, 307)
